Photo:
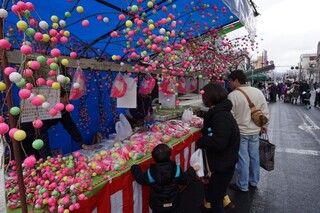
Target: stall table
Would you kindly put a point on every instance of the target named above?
(120, 193)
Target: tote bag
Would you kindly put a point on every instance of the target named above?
(266, 151)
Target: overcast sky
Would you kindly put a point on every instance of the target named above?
(288, 28)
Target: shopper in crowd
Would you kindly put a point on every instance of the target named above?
(295, 92)
(164, 178)
(42, 133)
(248, 167)
(279, 90)
(317, 98)
(142, 114)
(220, 139)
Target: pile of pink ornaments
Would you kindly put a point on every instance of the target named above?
(54, 185)
(196, 122)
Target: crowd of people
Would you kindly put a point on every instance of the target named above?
(230, 140)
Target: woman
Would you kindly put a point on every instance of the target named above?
(221, 143)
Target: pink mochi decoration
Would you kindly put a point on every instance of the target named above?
(30, 161)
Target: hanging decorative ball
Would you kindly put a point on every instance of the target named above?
(80, 9)
(45, 105)
(122, 17)
(59, 106)
(53, 112)
(65, 62)
(40, 82)
(56, 85)
(61, 79)
(24, 93)
(69, 107)
(2, 86)
(3, 13)
(105, 19)
(43, 25)
(62, 23)
(134, 8)
(55, 52)
(5, 44)
(73, 55)
(12, 131)
(41, 59)
(26, 49)
(150, 4)
(19, 135)
(37, 123)
(14, 111)
(30, 32)
(36, 101)
(22, 25)
(15, 77)
(4, 128)
(201, 92)
(21, 83)
(54, 19)
(129, 23)
(85, 23)
(67, 14)
(37, 144)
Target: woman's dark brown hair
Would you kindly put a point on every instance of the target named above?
(213, 94)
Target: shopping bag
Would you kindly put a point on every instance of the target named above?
(266, 151)
(78, 85)
(187, 115)
(119, 87)
(197, 159)
(123, 128)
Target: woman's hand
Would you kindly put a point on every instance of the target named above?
(196, 167)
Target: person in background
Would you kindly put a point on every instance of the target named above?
(317, 98)
(42, 133)
(220, 139)
(164, 178)
(143, 113)
(248, 166)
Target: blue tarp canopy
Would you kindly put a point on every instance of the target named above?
(107, 34)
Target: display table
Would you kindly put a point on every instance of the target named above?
(120, 193)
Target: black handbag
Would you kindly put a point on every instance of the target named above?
(266, 151)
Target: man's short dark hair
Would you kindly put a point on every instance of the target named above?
(213, 94)
(238, 74)
(161, 153)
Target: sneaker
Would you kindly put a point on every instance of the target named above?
(236, 188)
(252, 186)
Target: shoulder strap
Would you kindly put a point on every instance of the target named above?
(247, 97)
(204, 152)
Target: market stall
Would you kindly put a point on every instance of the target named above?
(43, 52)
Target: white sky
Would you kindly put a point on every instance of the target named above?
(288, 28)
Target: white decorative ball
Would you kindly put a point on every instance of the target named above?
(3, 13)
(76, 85)
(61, 79)
(43, 25)
(62, 23)
(45, 105)
(105, 19)
(15, 77)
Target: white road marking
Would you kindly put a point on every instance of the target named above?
(298, 151)
(311, 122)
(306, 127)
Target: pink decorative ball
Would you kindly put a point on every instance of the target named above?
(41, 82)
(5, 44)
(73, 54)
(121, 17)
(85, 23)
(53, 112)
(37, 123)
(35, 65)
(201, 92)
(26, 49)
(24, 93)
(12, 131)
(55, 52)
(28, 72)
(38, 36)
(29, 86)
(30, 161)
(59, 106)
(50, 61)
(49, 82)
(36, 101)
(69, 107)
(9, 70)
(4, 128)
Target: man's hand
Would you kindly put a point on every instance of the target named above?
(88, 147)
(263, 130)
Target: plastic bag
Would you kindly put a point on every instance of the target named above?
(119, 87)
(123, 128)
(182, 88)
(187, 115)
(197, 159)
(147, 85)
(193, 84)
(167, 87)
(78, 85)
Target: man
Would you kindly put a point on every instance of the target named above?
(67, 123)
(248, 166)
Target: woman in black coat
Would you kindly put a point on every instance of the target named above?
(221, 140)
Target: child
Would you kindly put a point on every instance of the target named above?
(164, 178)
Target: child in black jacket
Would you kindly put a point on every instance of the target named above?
(164, 178)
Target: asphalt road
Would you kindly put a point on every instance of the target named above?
(294, 185)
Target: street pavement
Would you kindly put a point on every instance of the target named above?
(294, 185)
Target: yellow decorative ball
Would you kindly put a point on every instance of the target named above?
(56, 85)
(2, 86)
(55, 26)
(64, 62)
(128, 23)
(150, 4)
(22, 25)
(80, 9)
(151, 26)
(19, 135)
(66, 33)
(42, 97)
(114, 57)
(45, 37)
(54, 19)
